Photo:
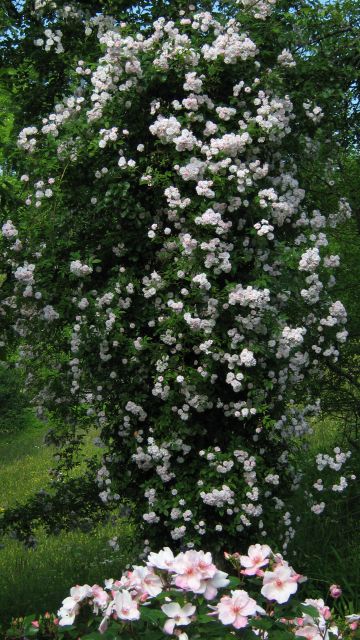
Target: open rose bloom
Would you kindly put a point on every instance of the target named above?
(258, 557)
(237, 608)
(279, 584)
(177, 616)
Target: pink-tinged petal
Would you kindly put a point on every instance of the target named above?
(103, 625)
(169, 626)
(245, 561)
(69, 603)
(162, 560)
(188, 610)
(66, 620)
(240, 622)
(249, 608)
(134, 614)
(125, 607)
(194, 582)
(172, 609)
(279, 593)
(226, 615)
(210, 592)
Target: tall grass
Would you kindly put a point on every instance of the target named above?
(35, 581)
(24, 463)
(327, 546)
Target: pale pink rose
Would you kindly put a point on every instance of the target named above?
(68, 612)
(108, 583)
(146, 581)
(279, 559)
(100, 597)
(70, 605)
(123, 583)
(79, 593)
(309, 632)
(163, 560)
(35, 623)
(323, 609)
(258, 556)
(191, 568)
(125, 607)
(209, 588)
(279, 584)
(353, 619)
(178, 616)
(236, 609)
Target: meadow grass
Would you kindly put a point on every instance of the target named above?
(327, 546)
(24, 463)
(35, 581)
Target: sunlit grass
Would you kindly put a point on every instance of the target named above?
(325, 433)
(34, 581)
(24, 464)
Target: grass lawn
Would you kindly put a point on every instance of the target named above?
(24, 463)
(34, 581)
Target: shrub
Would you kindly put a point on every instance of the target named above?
(168, 274)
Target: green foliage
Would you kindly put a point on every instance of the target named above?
(35, 580)
(327, 548)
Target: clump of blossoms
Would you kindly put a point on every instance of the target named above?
(186, 595)
(177, 285)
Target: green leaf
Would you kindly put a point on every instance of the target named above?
(262, 623)
(309, 610)
(152, 615)
(278, 634)
(234, 582)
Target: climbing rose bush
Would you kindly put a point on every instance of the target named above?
(185, 595)
(169, 277)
